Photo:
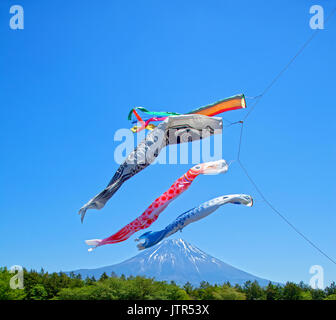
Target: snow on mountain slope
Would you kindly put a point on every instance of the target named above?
(177, 260)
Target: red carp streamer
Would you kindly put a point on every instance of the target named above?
(161, 203)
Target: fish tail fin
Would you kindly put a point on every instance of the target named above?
(99, 201)
(82, 212)
(93, 242)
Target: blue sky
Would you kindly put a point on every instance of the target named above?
(69, 79)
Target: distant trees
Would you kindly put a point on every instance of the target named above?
(291, 291)
(60, 286)
(103, 277)
(38, 292)
(6, 293)
(272, 292)
(135, 288)
(224, 292)
(253, 291)
(331, 289)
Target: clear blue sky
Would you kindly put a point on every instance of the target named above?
(68, 80)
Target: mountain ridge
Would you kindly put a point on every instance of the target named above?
(179, 261)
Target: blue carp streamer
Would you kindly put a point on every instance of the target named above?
(150, 238)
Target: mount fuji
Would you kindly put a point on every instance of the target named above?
(177, 260)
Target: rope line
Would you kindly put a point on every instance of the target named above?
(240, 139)
(282, 216)
(286, 66)
(258, 98)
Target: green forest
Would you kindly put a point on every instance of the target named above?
(60, 286)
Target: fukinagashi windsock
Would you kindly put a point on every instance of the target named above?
(150, 238)
(173, 130)
(228, 104)
(153, 211)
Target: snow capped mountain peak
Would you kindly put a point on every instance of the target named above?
(173, 251)
(177, 260)
(177, 245)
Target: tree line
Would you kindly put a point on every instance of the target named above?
(60, 286)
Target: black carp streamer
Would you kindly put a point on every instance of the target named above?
(173, 130)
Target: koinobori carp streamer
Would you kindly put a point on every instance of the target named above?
(153, 211)
(228, 104)
(150, 238)
(173, 130)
